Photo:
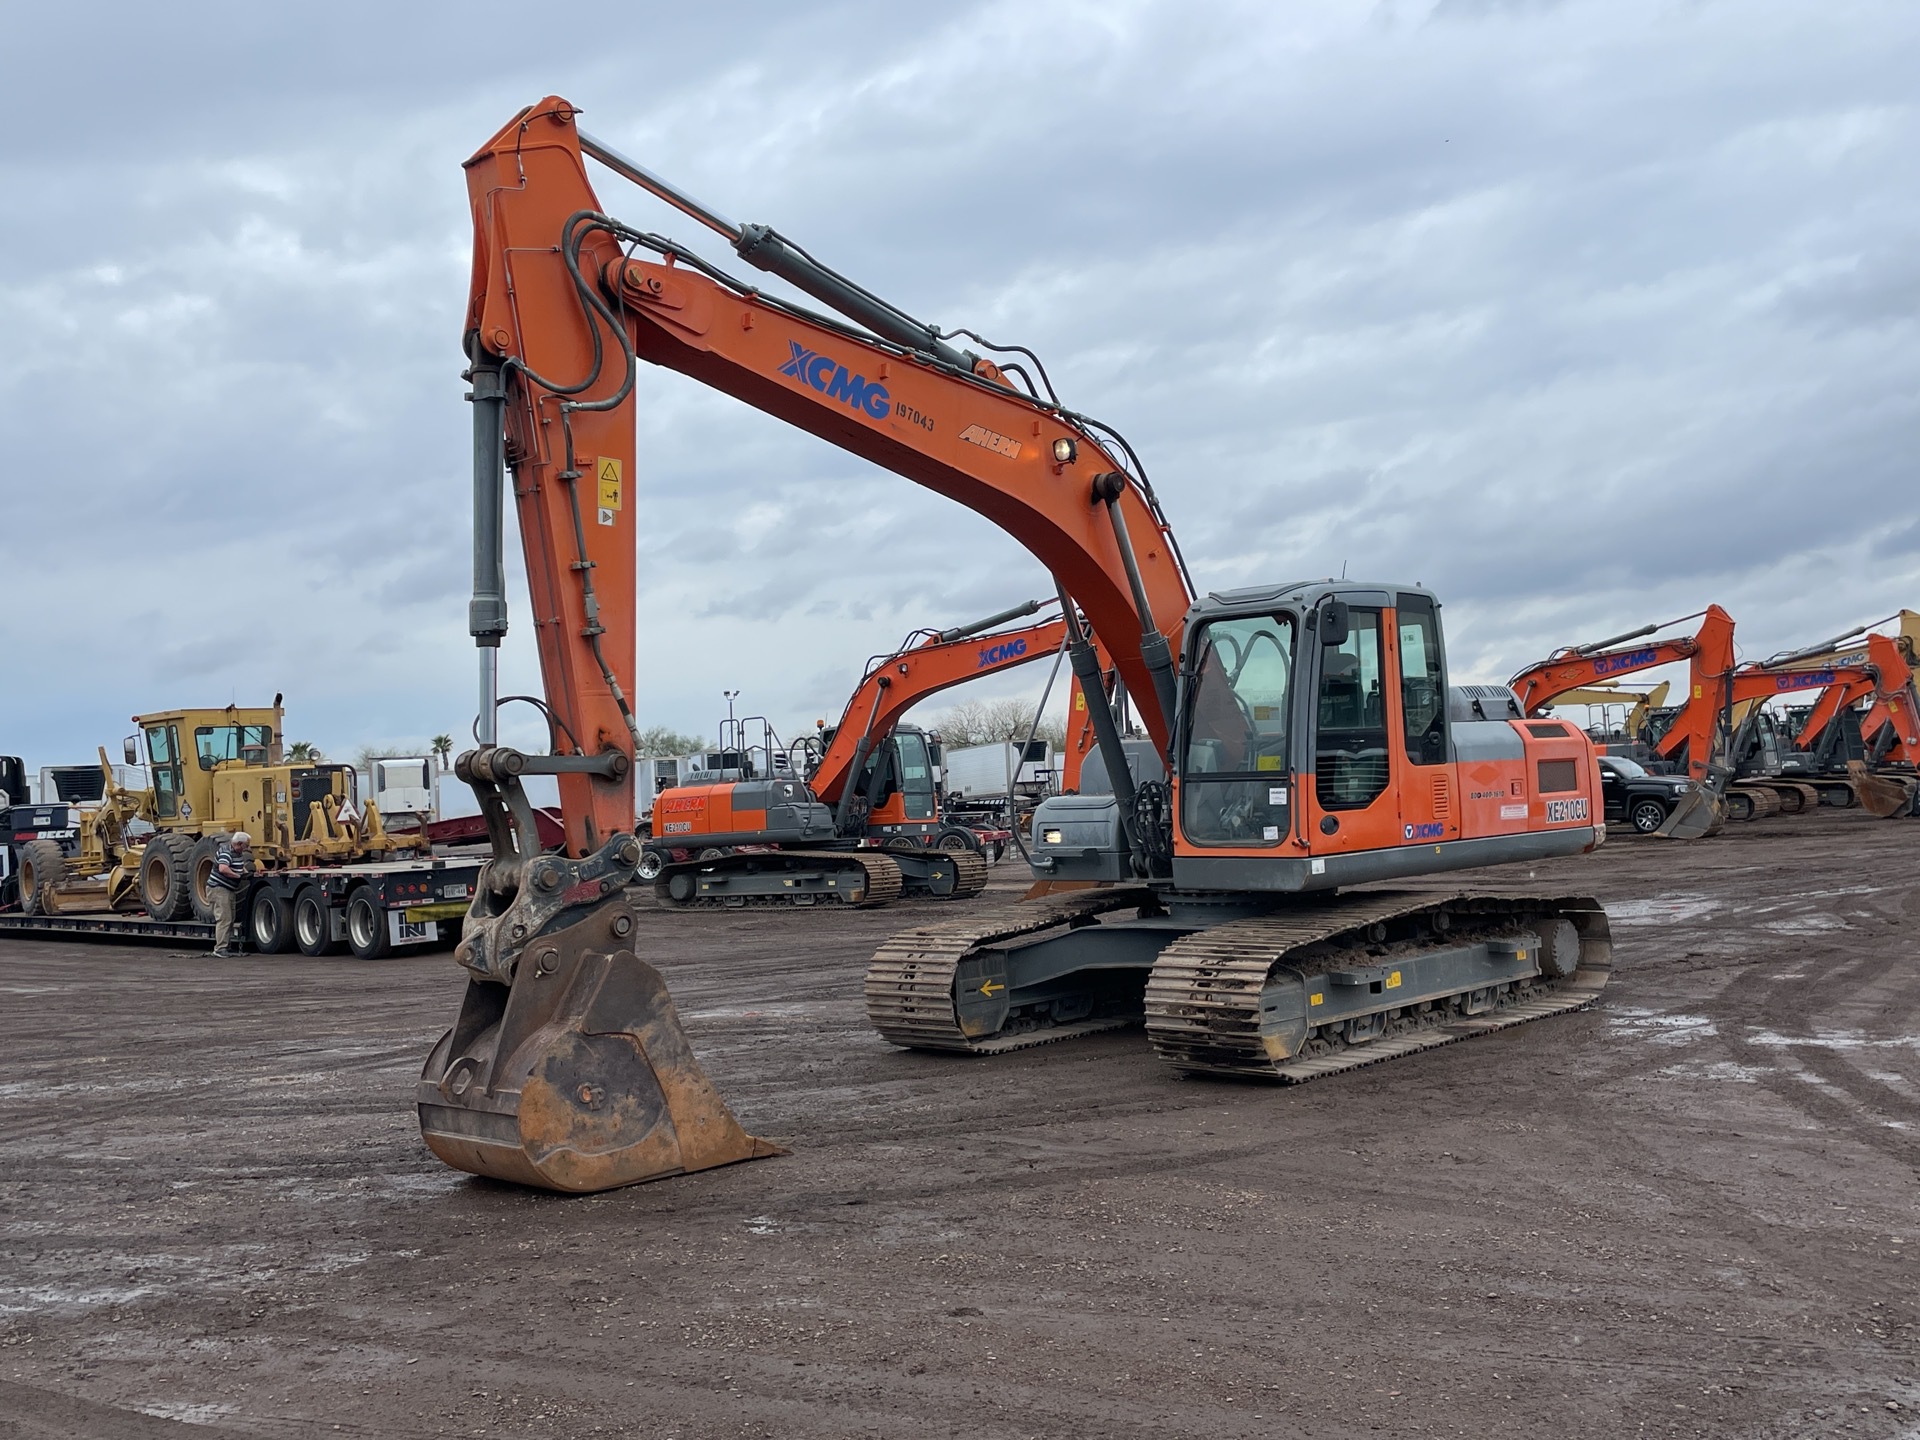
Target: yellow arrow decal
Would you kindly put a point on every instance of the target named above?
(990, 988)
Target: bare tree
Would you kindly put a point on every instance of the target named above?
(985, 722)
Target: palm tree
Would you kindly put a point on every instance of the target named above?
(303, 752)
(443, 747)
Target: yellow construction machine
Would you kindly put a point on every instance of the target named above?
(210, 773)
(1606, 693)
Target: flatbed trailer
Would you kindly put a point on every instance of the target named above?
(104, 926)
(370, 909)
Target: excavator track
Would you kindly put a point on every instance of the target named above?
(1778, 797)
(782, 877)
(973, 874)
(910, 980)
(1207, 991)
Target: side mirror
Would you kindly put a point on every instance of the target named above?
(130, 747)
(1335, 623)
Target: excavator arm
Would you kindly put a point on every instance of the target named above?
(561, 307)
(567, 1067)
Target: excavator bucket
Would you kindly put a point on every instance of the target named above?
(1881, 796)
(577, 1076)
(1698, 813)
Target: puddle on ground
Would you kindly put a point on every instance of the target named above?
(1835, 1040)
(1724, 1071)
(187, 1412)
(1805, 924)
(1663, 910)
(1660, 1028)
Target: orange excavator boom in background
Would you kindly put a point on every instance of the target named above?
(1709, 657)
(1311, 738)
(779, 839)
(895, 683)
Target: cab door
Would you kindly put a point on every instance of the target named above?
(163, 760)
(1354, 805)
(1419, 720)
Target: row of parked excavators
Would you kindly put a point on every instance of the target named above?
(1847, 732)
(856, 818)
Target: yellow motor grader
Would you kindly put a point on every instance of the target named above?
(210, 773)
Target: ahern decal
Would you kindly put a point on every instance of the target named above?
(836, 382)
(991, 440)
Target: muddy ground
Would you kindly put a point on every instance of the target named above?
(1687, 1212)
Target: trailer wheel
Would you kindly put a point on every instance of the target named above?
(1647, 816)
(366, 925)
(651, 863)
(312, 924)
(200, 862)
(954, 841)
(163, 876)
(268, 922)
(42, 868)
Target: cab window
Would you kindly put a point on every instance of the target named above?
(916, 775)
(1350, 761)
(215, 743)
(1234, 774)
(1423, 681)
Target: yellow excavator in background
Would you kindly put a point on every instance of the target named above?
(1605, 693)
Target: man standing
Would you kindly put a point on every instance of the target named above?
(232, 869)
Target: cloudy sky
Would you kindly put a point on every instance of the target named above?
(1585, 314)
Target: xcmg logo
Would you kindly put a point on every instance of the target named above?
(832, 379)
(1804, 680)
(1001, 653)
(1425, 832)
(1614, 664)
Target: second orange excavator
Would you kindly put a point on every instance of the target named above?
(864, 826)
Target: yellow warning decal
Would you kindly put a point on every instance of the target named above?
(607, 469)
(1393, 980)
(1315, 999)
(1267, 762)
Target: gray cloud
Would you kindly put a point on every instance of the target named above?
(1585, 314)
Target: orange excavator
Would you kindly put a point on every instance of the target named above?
(1876, 670)
(1312, 741)
(1691, 746)
(865, 825)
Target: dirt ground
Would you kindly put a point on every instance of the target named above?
(1686, 1212)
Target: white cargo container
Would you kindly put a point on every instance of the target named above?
(403, 786)
(988, 773)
